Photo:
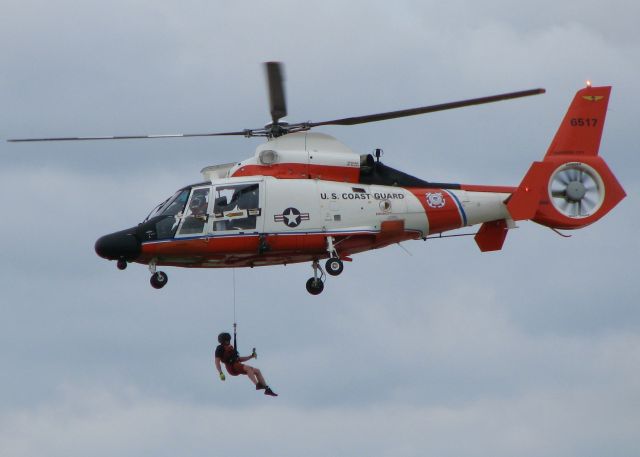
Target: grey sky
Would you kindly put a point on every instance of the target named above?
(534, 350)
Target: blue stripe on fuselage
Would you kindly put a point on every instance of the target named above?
(460, 208)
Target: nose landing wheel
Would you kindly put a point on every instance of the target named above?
(159, 280)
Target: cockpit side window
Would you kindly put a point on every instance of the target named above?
(195, 215)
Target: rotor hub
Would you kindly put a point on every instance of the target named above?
(276, 129)
(575, 191)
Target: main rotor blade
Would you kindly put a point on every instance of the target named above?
(426, 109)
(277, 102)
(129, 137)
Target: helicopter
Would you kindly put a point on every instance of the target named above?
(305, 197)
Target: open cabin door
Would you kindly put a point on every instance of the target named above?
(237, 208)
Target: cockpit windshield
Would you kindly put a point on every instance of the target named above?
(166, 216)
(171, 206)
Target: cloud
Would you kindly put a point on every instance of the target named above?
(573, 421)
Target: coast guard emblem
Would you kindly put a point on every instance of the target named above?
(435, 199)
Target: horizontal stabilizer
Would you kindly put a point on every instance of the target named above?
(491, 235)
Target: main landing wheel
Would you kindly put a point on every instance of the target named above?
(315, 286)
(159, 279)
(122, 264)
(334, 266)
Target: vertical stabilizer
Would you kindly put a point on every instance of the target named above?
(580, 132)
(573, 186)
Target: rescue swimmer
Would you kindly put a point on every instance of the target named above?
(233, 362)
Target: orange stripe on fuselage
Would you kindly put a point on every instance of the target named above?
(243, 250)
(481, 188)
(302, 171)
(441, 209)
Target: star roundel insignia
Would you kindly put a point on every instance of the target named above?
(291, 217)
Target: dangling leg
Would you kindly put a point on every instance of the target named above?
(262, 384)
(251, 374)
(255, 375)
(261, 380)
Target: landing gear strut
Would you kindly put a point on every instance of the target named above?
(158, 278)
(315, 285)
(334, 265)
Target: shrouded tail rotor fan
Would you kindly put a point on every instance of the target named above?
(576, 190)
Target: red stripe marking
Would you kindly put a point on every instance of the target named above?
(481, 188)
(446, 217)
(242, 251)
(302, 171)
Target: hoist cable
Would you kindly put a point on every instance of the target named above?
(234, 296)
(235, 325)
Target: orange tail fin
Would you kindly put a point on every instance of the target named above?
(573, 186)
(580, 132)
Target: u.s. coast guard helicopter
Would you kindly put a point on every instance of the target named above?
(304, 196)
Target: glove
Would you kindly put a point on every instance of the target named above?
(222, 376)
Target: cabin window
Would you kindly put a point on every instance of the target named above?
(236, 207)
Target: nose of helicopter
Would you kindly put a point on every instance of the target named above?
(118, 245)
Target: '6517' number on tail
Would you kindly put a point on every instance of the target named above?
(584, 122)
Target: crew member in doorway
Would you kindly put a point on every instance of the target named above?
(227, 354)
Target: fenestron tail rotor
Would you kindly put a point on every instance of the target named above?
(576, 190)
(278, 110)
